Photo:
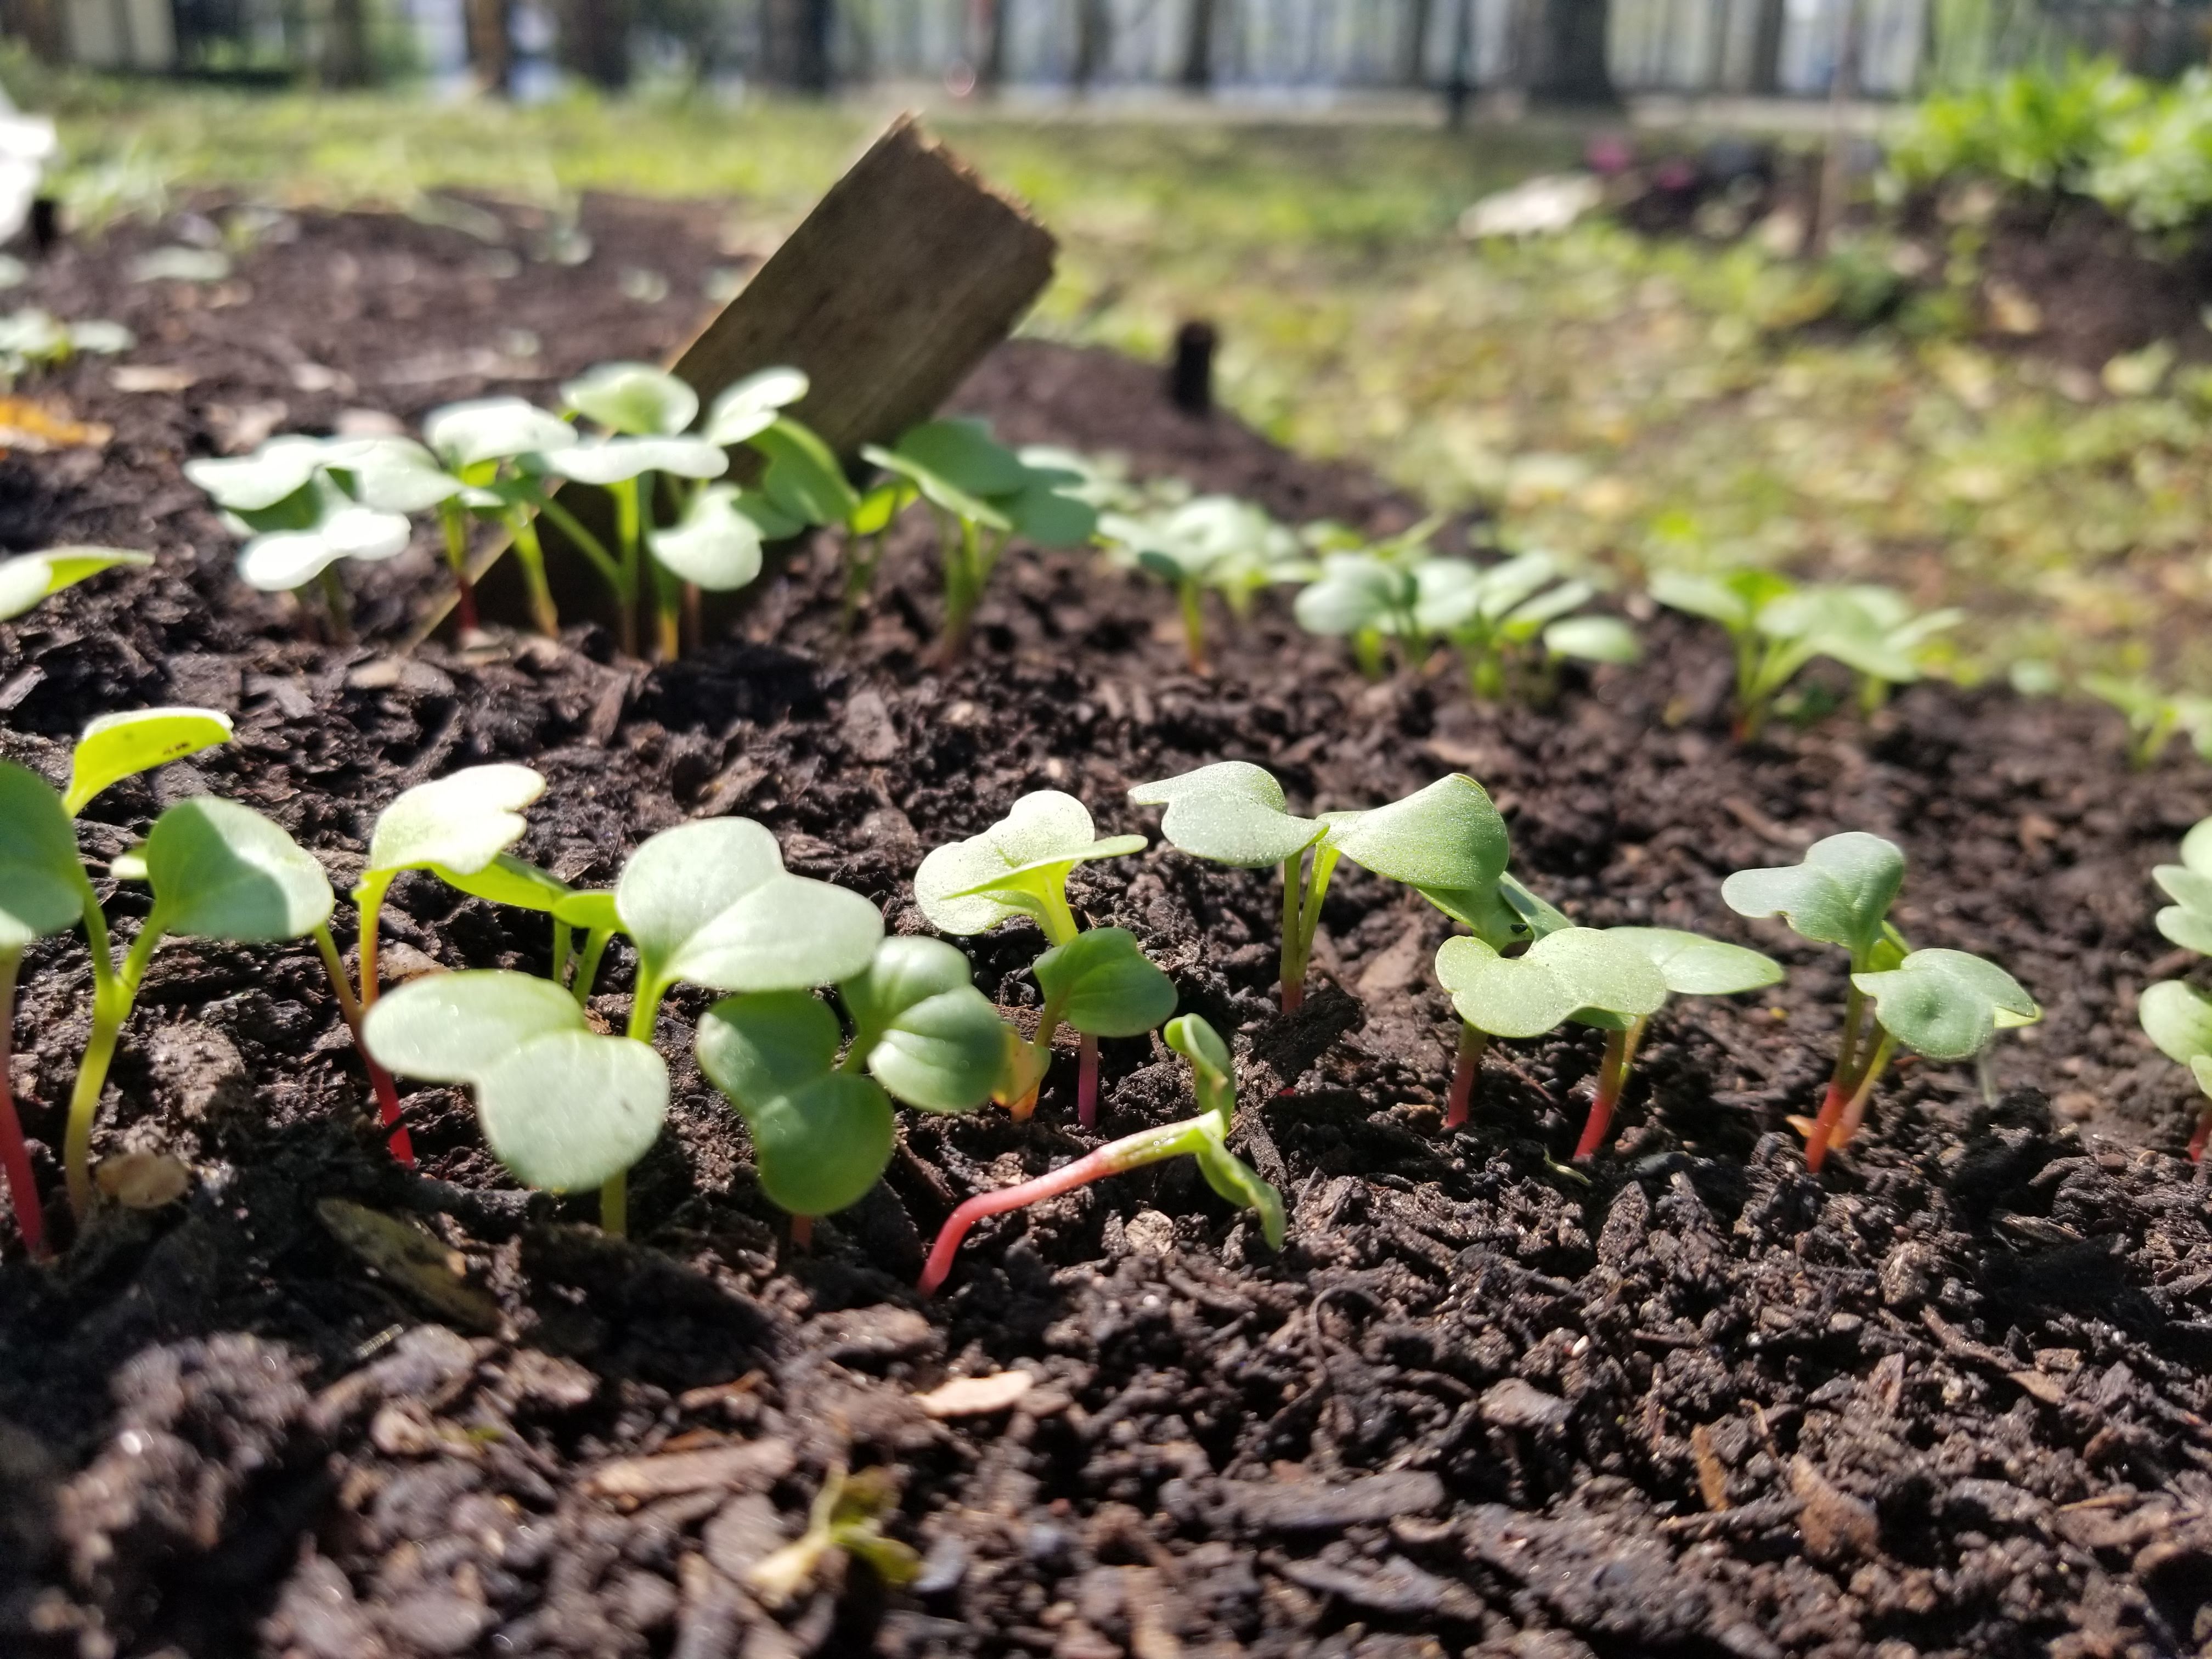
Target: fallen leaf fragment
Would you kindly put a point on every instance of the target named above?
(152, 377)
(36, 429)
(1835, 1524)
(975, 1397)
(745, 1465)
(412, 1260)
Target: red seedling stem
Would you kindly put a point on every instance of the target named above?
(1611, 1080)
(15, 1156)
(387, 1093)
(802, 1232)
(1824, 1126)
(1086, 1084)
(2203, 1133)
(1473, 1045)
(1065, 1179)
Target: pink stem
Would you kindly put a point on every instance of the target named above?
(1824, 1127)
(1472, 1046)
(1065, 1179)
(2203, 1133)
(1611, 1078)
(1294, 996)
(802, 1232)
(15, 1156)
(1086, 1084)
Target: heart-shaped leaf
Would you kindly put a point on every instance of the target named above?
(1575, 970)
(750, 406)
(222, 870)
(1214, 1071)
(711, 903)
(1839, 896)
(1734, 600)
(2178, 1018)
(1233, 812)
(281, 467)
(286, 559)
(615, 460)
(460, 822)
(466, 434)
(42, 885)
(1103, 985)
(715, 544)
(821, 1137)
(932, 1040)
(1447, 835)
(1946, 1004)
(28, 578)
(635, 399)
(510, 880)
(879, 505)
(1357, 592)
(1592, 639)
(1046, 512)
(561, 1106)
(392, 474)
(938, 490)
(1018, 866)
(1694, 965)
(803, 477)
(963, 453)
(118, 746)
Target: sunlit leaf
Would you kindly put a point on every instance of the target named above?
(118, 746)
(751, 405)
(1837, 895)
(821, 1137)
(42, 885)
(635, 399)
(1018, 866)
(1104, 985)
(1694, 965)
(222, 870)
(460, 822)
(1233, 812)
(714, 544)
(1946, 1004)
(28, 578)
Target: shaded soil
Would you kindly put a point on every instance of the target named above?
(1950, 1399)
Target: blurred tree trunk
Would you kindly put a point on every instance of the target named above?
(38, 24)
(595, 41)
(1094, 41)
(1459, 84)
(1766, 48)
(346, 46)
(1413, 68)
(798, 35)
(1567, 54)
(991, 72)
(491, 47)
(1198, 47)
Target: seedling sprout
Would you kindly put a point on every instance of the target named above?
(1235, 813)
(1205, 1137)
(846, 1518)
(1574, 973)
(2188, 920)
(456, 826)
(1099, 982)
(492, 445)
(2177, 1016)
(2154, 716)
(1946, 1004)
(28, 578)
(1492, 614)
(1214, 544)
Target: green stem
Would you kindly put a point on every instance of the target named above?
(1367, 652)
(368, 900)
(1058, 921)
(454, 520)
(1293, 974)
(111, 1006)
(668, 610)
(1194, 624)
(387, 1093)
(531, 554)
(336, 602)
(644, 1012)
(564, 946)
(628, 520)
(587, 543)
(1855, 1111)
(587, 965)
(614, 1206)
(1324, 863)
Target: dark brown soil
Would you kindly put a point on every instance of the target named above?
(1950, 1399)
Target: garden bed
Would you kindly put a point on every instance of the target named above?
(1949, 1397)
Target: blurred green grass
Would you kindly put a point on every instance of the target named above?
(1626, 402)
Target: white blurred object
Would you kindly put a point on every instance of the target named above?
(27, 141)
(1542, 206)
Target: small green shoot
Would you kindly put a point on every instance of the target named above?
(1778, 627)
(562, 1108)
(822, 1131)
(219, 871)
(1363, 598)
(981, 495)
(1946, 1004)
(1019, 867)
(1213, 543)
(1574, 973)
(2188, 920)
(495, 447)
(28, 578)
(1205, 1137)
(2178, 1018)
(847, 1518)
(1493, 614)
(2155, 717)
(1235, 813)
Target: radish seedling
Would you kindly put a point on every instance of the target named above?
(2188, 920)
(456, 826)
(1492, 614)
(2178, 1018)
(1574, 973)
(846, 1518)
(1214, 544)
(1448, 844)
(1019, 867)
(981, 495)
(219, 871)
(287, 499)
(1692, 965)
(2155, 717)
(1234, 813)
(822, 1131)
(495, 447)
(1365, 599)
(1840, 894)
(1946, 1004)
(1778, 627)
(28, 578)
(1206, 1138)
